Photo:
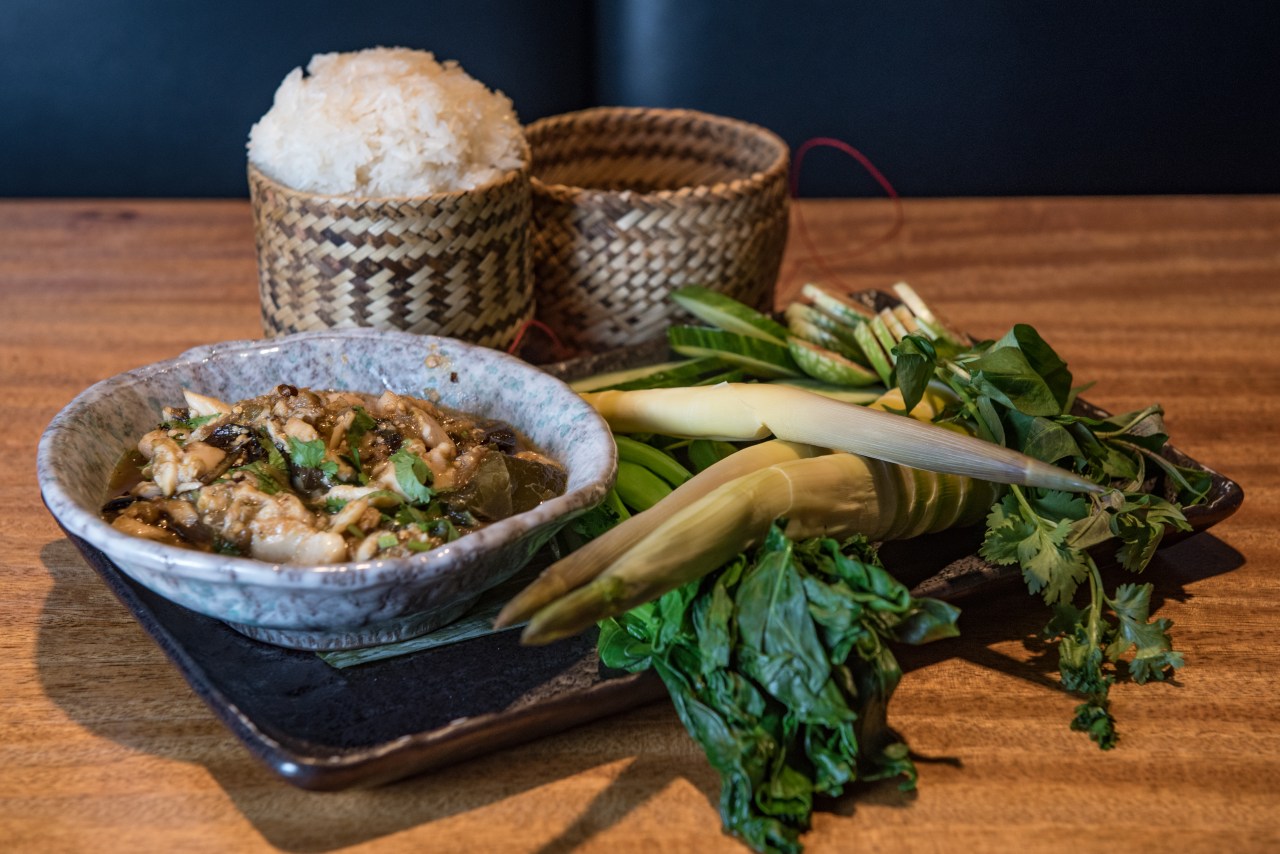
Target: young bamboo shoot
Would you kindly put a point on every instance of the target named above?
(748, 411)
(836, 495)
(589, 561)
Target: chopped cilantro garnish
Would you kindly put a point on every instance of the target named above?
(269, 478)
(187, 424)
(275, 459)
(444, 529)
(407, 514)
(198, 421)
(310, 455)
(412, 475)
(361, 424)
(226, 547)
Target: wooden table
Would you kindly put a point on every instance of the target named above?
(1176, 300)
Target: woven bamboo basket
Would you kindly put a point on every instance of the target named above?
(454, 264)
(632, 203)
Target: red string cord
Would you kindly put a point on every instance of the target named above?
(802, 230)
(556, 344)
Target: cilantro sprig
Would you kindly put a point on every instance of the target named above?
(1018, 392)
(413, 476)
(193, 422)
(311, 455)
(271, 474)
(361, 423)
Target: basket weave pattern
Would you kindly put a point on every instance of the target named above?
(631, 203)
(454, 264)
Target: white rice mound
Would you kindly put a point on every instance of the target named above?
(385, 122)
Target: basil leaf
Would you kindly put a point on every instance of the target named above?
(1043, 360)
(1042, 438)
(620, 650)
(915, 361)
(1004, 374)
(778, 665)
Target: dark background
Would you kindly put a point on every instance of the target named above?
(156, 97)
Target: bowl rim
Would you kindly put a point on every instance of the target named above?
(89, 526)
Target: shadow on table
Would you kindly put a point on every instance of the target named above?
(104, 671)
(1016, 615)
(98, 665)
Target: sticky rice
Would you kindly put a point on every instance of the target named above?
(385, 122)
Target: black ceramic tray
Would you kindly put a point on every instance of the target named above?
(319, 727)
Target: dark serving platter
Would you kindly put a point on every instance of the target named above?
(320, 727)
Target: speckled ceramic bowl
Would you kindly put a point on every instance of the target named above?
(343, 605)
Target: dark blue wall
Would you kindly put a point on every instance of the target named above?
(976, 98)
(154, 98)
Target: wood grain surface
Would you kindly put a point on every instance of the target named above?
(1177, 300)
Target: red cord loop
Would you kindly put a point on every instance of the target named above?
(815, 257)
(557, 346)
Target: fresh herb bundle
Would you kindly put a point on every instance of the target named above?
(779, 667)
(1017, 392)
(757, 702)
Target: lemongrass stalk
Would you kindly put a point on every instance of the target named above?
(891, 322)
(836, 496)
(925, 316)
(747, 411)
(912, 300)
(589, 561)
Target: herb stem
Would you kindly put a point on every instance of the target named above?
(1096, 598)
(1169, 468)
(1138, 417)
(1022, 500)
